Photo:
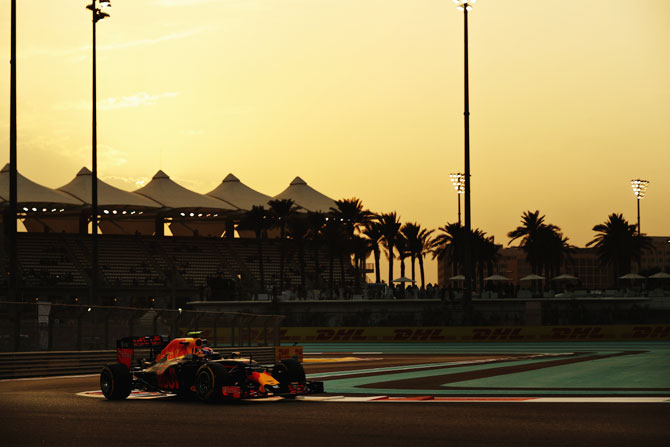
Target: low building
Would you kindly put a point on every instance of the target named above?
(583, 264)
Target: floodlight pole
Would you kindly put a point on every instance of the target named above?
(638, 216)
(466, 114)
(458, 180)
(458, 196)
(639, 189)
(10, 217)
(97, 15)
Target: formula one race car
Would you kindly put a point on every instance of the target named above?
(186, 367)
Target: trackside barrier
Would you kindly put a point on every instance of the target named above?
(43, 364)
(463, 334)
(44, 326)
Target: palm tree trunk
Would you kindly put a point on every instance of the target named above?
(390, 265)
(301, 254)
(331, 257)
(342, 285)
(358, 272)
(260, 260)
(377, 255)
(413, 271)
(423, 280)
(317, 268)
(282, 250)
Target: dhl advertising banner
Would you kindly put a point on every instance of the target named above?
(474, 334)
(451, 334)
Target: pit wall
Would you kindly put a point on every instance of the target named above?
(455, 334)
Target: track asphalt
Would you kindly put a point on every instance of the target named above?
(592, 394)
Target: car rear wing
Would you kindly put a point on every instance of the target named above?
(125, 347)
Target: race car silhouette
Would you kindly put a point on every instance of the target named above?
(187, 367)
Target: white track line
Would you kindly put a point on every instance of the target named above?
(436, 399)
(386, 399)
(50, 377)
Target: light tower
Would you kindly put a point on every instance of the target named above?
(466, 6)
(97, 15)
(458, 180)
(639, 189)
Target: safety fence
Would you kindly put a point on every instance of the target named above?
(62, 363)
(44, 326)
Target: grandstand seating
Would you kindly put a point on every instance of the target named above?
(129, 262)
(45, 261)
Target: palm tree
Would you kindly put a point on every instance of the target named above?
(486, 254)
(258, 220)
(422, 248)
(556, 250)
(351, 213)
(450, 245)
(390, 226)
(297, 231)
(372, 231)
(361, 249)
(403, 251)
(530, 232)
(352, 216)
(335, 238)
(281, 210)
(316, 222)
(617, 243)
(418, 244)
(410, 231)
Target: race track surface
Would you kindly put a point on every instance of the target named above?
(604, 394)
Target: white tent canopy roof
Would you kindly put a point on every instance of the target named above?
(234, 192)
(31, 193)
(172, 195)
(632, 276)
(496, 278)
(80, 187)
(306, 196)
(564, 276)
(531, 277)
(403, 279)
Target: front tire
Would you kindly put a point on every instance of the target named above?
(209, 380)
(115, 381)
(287, 371)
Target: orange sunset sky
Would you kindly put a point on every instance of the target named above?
(361, 98)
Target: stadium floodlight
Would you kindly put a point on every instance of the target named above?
(458, 180)
(465, 5)
(639, 190)
(639, 187)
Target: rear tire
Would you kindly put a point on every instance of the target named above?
(209, 380)
(115, 381)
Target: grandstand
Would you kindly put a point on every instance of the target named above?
(208, 256)
(137, 269)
